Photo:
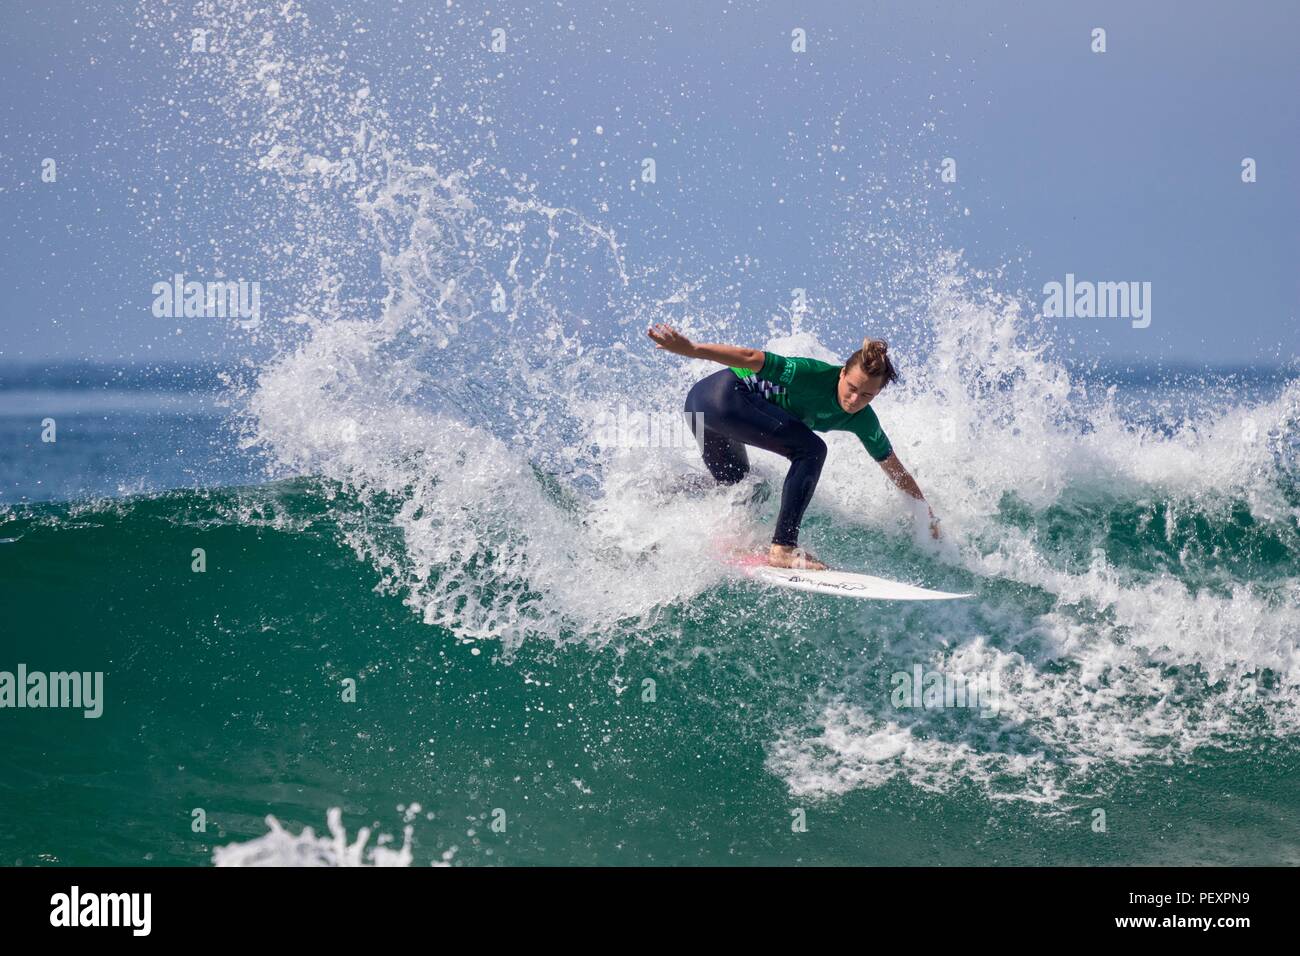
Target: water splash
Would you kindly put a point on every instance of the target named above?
(441, 365)
(278, 847)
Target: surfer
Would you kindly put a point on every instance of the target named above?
(777, 403)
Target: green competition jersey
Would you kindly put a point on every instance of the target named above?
(807, 389)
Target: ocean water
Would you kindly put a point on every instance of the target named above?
(1136, 595)
(441, 614)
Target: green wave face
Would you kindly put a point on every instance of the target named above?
(691, 735)
(469, 602)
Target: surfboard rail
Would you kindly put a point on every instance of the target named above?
(841, 583)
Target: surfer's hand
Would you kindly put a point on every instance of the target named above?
(670, 340)
(934, 527)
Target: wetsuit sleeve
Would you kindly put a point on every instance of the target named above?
(867, 427)
(777, 368)
(781, 370)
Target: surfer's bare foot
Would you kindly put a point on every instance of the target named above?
(784, 556)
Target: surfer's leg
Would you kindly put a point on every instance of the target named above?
(807, 454)
(732, 412)
(758, 422)
(726, 458)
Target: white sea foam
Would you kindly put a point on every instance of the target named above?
(1130, 662)
(278, 847)
(465, 429)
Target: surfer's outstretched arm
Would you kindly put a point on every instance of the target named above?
(904, 480)
(670, 340)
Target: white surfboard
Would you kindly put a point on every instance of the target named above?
(842, 583)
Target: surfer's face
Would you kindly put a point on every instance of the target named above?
(856, 389)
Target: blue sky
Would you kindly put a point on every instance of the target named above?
(1122, 166)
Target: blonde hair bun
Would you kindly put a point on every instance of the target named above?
(873, 358)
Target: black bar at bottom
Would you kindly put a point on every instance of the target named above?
(927, 906)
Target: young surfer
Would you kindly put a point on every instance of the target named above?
(777, 403)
